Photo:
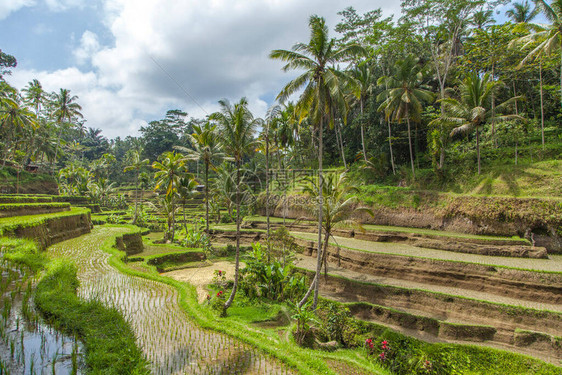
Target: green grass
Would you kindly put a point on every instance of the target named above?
(304, 361)
(8, 224)
(108, 338)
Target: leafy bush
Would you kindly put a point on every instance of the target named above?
(269, 278)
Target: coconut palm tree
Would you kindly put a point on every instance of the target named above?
(237, 126)
(14, 116)
(65, 108)
(549, 38)
(473, 110)
(186, 189)
(363, 87)
(135, 164)
(323, 92)
(404, 96)
(171, 168)
(522, 12)
(208, 149)
(339, 206)
(34, 95)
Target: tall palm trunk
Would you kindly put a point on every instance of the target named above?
(316, 282)
(267, 189)
(478, 147)
(237, 263)
(542, 106)
(340, 140)
(207, 197)
(363, 131)
(390, 147)
(136, 198)
(410, 144)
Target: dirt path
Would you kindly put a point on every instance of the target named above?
(170, 340)
(553, 264)
(202, 276)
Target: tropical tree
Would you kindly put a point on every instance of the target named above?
(14, 116)
(323, 93)
(171, 168)
(404, 96)
(208, 149)
(237, 126)
(549, 38)
(34, 95)
(65, 108)
(135, 164)
(522, 12)
(361, 74)
(186, 189)
(473, 110)
(339, 205)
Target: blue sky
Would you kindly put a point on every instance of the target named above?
(116, 55)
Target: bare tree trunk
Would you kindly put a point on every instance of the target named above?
(542, 106)
(267, 189)
(207, 197)
(363, 131)
(410, 144)
(340, 143)
(315, 283)
(493, 110)
(237, 263)
(478, 147)
(390, 146)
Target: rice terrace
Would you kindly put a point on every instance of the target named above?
(391, 203)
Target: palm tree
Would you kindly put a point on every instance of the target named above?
(404, 96)
(363, 87)
(339, 205)
(522, 12)
(323, 87)
(14, 116)
(171, 168)
(136, 164)
(237, 125)
(473, 110)
(186, 189)
(65, 108)
(206, 148)
(549, 38)
(34, 95)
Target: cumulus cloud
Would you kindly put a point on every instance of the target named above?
(62, 5)
(162, 49)
(89, 45)
(9, 6)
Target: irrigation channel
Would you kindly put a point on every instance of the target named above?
(27, 344)
(172, 342)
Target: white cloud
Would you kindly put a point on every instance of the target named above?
(214, 49)
(9, 6)
(89, 45)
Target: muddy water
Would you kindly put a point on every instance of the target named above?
(27, 344)
(169, 339)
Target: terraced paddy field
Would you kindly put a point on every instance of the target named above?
(171, 341)
(442, 296)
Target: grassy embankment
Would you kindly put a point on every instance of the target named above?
(108, 339)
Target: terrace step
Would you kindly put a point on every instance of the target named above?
(482, 245)
(445, 313)
(512, 285)
(22, 209)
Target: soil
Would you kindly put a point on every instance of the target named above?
(510, 283)
(202, 276)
